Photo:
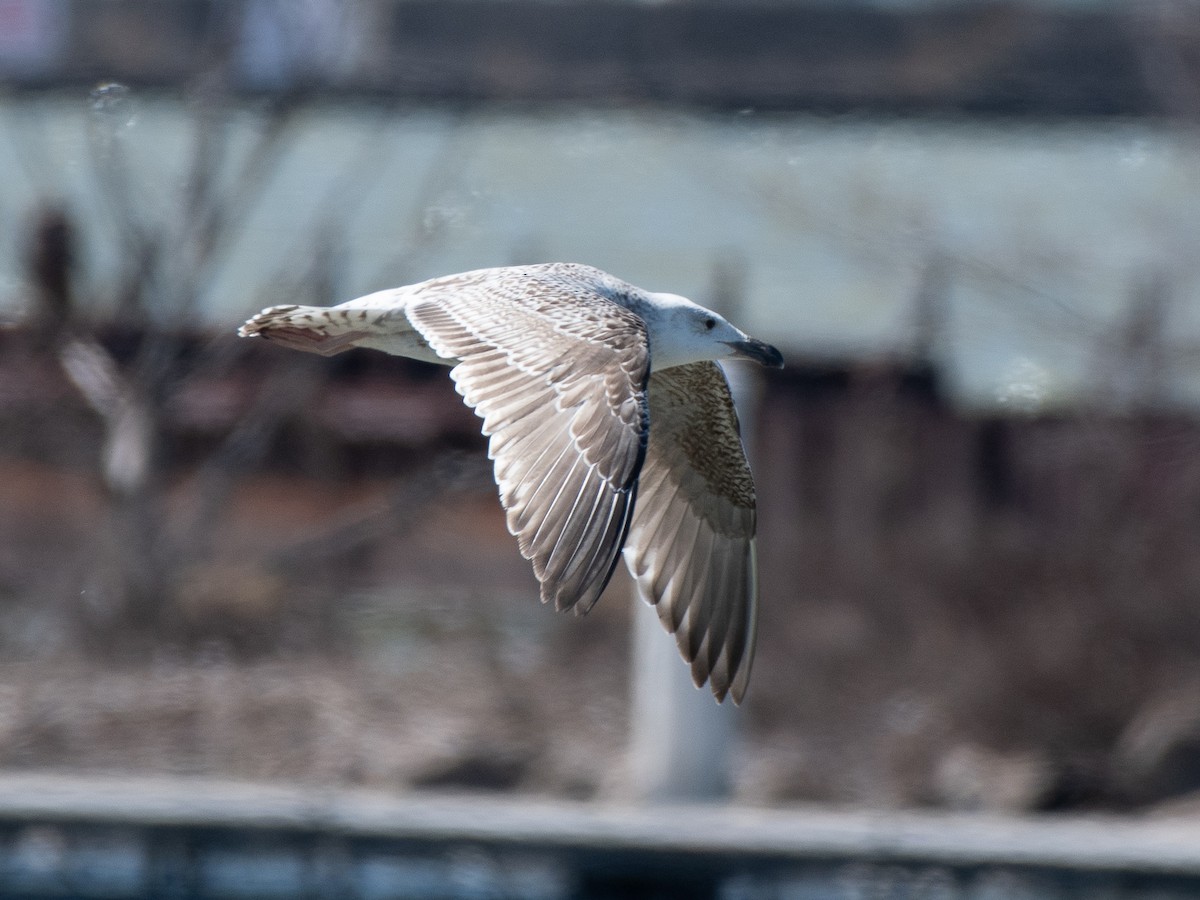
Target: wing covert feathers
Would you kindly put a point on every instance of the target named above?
(563, 402)
(691, 543)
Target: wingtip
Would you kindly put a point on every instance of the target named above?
(721, 689)
(717, 682)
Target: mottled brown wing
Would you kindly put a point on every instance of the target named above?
(691, 544)
(558, 376)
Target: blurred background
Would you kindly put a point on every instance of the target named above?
(971, 226)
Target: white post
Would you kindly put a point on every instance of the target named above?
(681, 740)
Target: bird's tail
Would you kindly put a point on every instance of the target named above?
(314, 329)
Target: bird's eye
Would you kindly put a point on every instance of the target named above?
(710, 323)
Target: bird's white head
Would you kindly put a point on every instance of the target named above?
(684, 332)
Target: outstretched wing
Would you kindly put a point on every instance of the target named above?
(691, 544)
(558, 373)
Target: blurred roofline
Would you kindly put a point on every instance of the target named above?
(996, 58)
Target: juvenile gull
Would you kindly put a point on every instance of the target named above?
(611, 428)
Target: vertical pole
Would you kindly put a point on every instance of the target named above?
(681, 741)
(680, 738)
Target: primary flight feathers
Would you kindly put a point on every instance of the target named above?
(611, 428)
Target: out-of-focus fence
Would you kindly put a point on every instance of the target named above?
(122, 838)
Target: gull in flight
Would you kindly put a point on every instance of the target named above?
(611, 427)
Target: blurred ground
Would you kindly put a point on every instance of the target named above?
(417, 679)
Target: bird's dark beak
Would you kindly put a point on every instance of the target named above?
(758, 351)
